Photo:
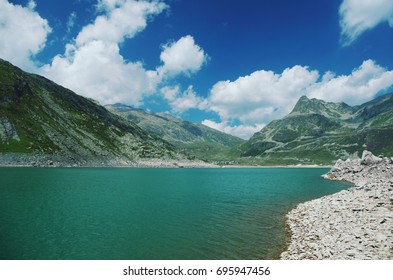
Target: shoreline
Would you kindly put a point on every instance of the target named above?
(54, 161)
(20, 160)
(158, 166)
(356, 223)
(277, 166)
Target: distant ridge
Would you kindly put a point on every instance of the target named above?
(195, 139)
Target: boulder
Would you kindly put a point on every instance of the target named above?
(368, 158)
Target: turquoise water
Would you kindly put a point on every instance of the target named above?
(109, 213)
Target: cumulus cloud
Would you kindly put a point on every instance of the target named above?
(358, 16)
(98, 71)
(183, 101)
(356, 88)
(19, 43)
(170, 92)
(263, 96)
(121, 20)
(182, 56)
(93, 66)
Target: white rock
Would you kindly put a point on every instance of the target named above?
(369, 158)
(380, 237)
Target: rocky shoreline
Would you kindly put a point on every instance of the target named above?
(356, 223)
(42, 160)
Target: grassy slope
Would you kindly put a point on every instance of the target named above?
(53, 120)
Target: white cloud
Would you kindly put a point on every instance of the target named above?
(183, 101)
(31, 5)
(264, 96)
(122, 20)
(182, 56)
(261, 96)
(71, 21)
(170, 92)
(92, 65)
(108, 5)
(358, 16)
(19, 43)
(356, 88)
(98, 71)
(241, 131)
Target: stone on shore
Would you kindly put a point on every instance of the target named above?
(369, 158)
(353, 224)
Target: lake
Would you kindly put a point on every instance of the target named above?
(126, 213)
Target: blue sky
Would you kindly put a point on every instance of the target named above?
(233, 65)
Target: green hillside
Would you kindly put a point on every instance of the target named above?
(39, 117)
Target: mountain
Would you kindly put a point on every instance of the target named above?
(195, 139)
(44, 123)
(319, 132)
(40, 119)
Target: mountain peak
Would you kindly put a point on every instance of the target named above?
(304, 98)
(317, 106)
(305, 105)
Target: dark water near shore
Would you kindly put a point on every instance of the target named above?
(108, 213)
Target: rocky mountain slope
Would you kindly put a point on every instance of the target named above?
(43, 121)
(319, 132)
(194, 139)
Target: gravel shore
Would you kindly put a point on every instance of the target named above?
(353, 224)
(41, 160)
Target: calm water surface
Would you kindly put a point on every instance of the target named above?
(93, 213)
